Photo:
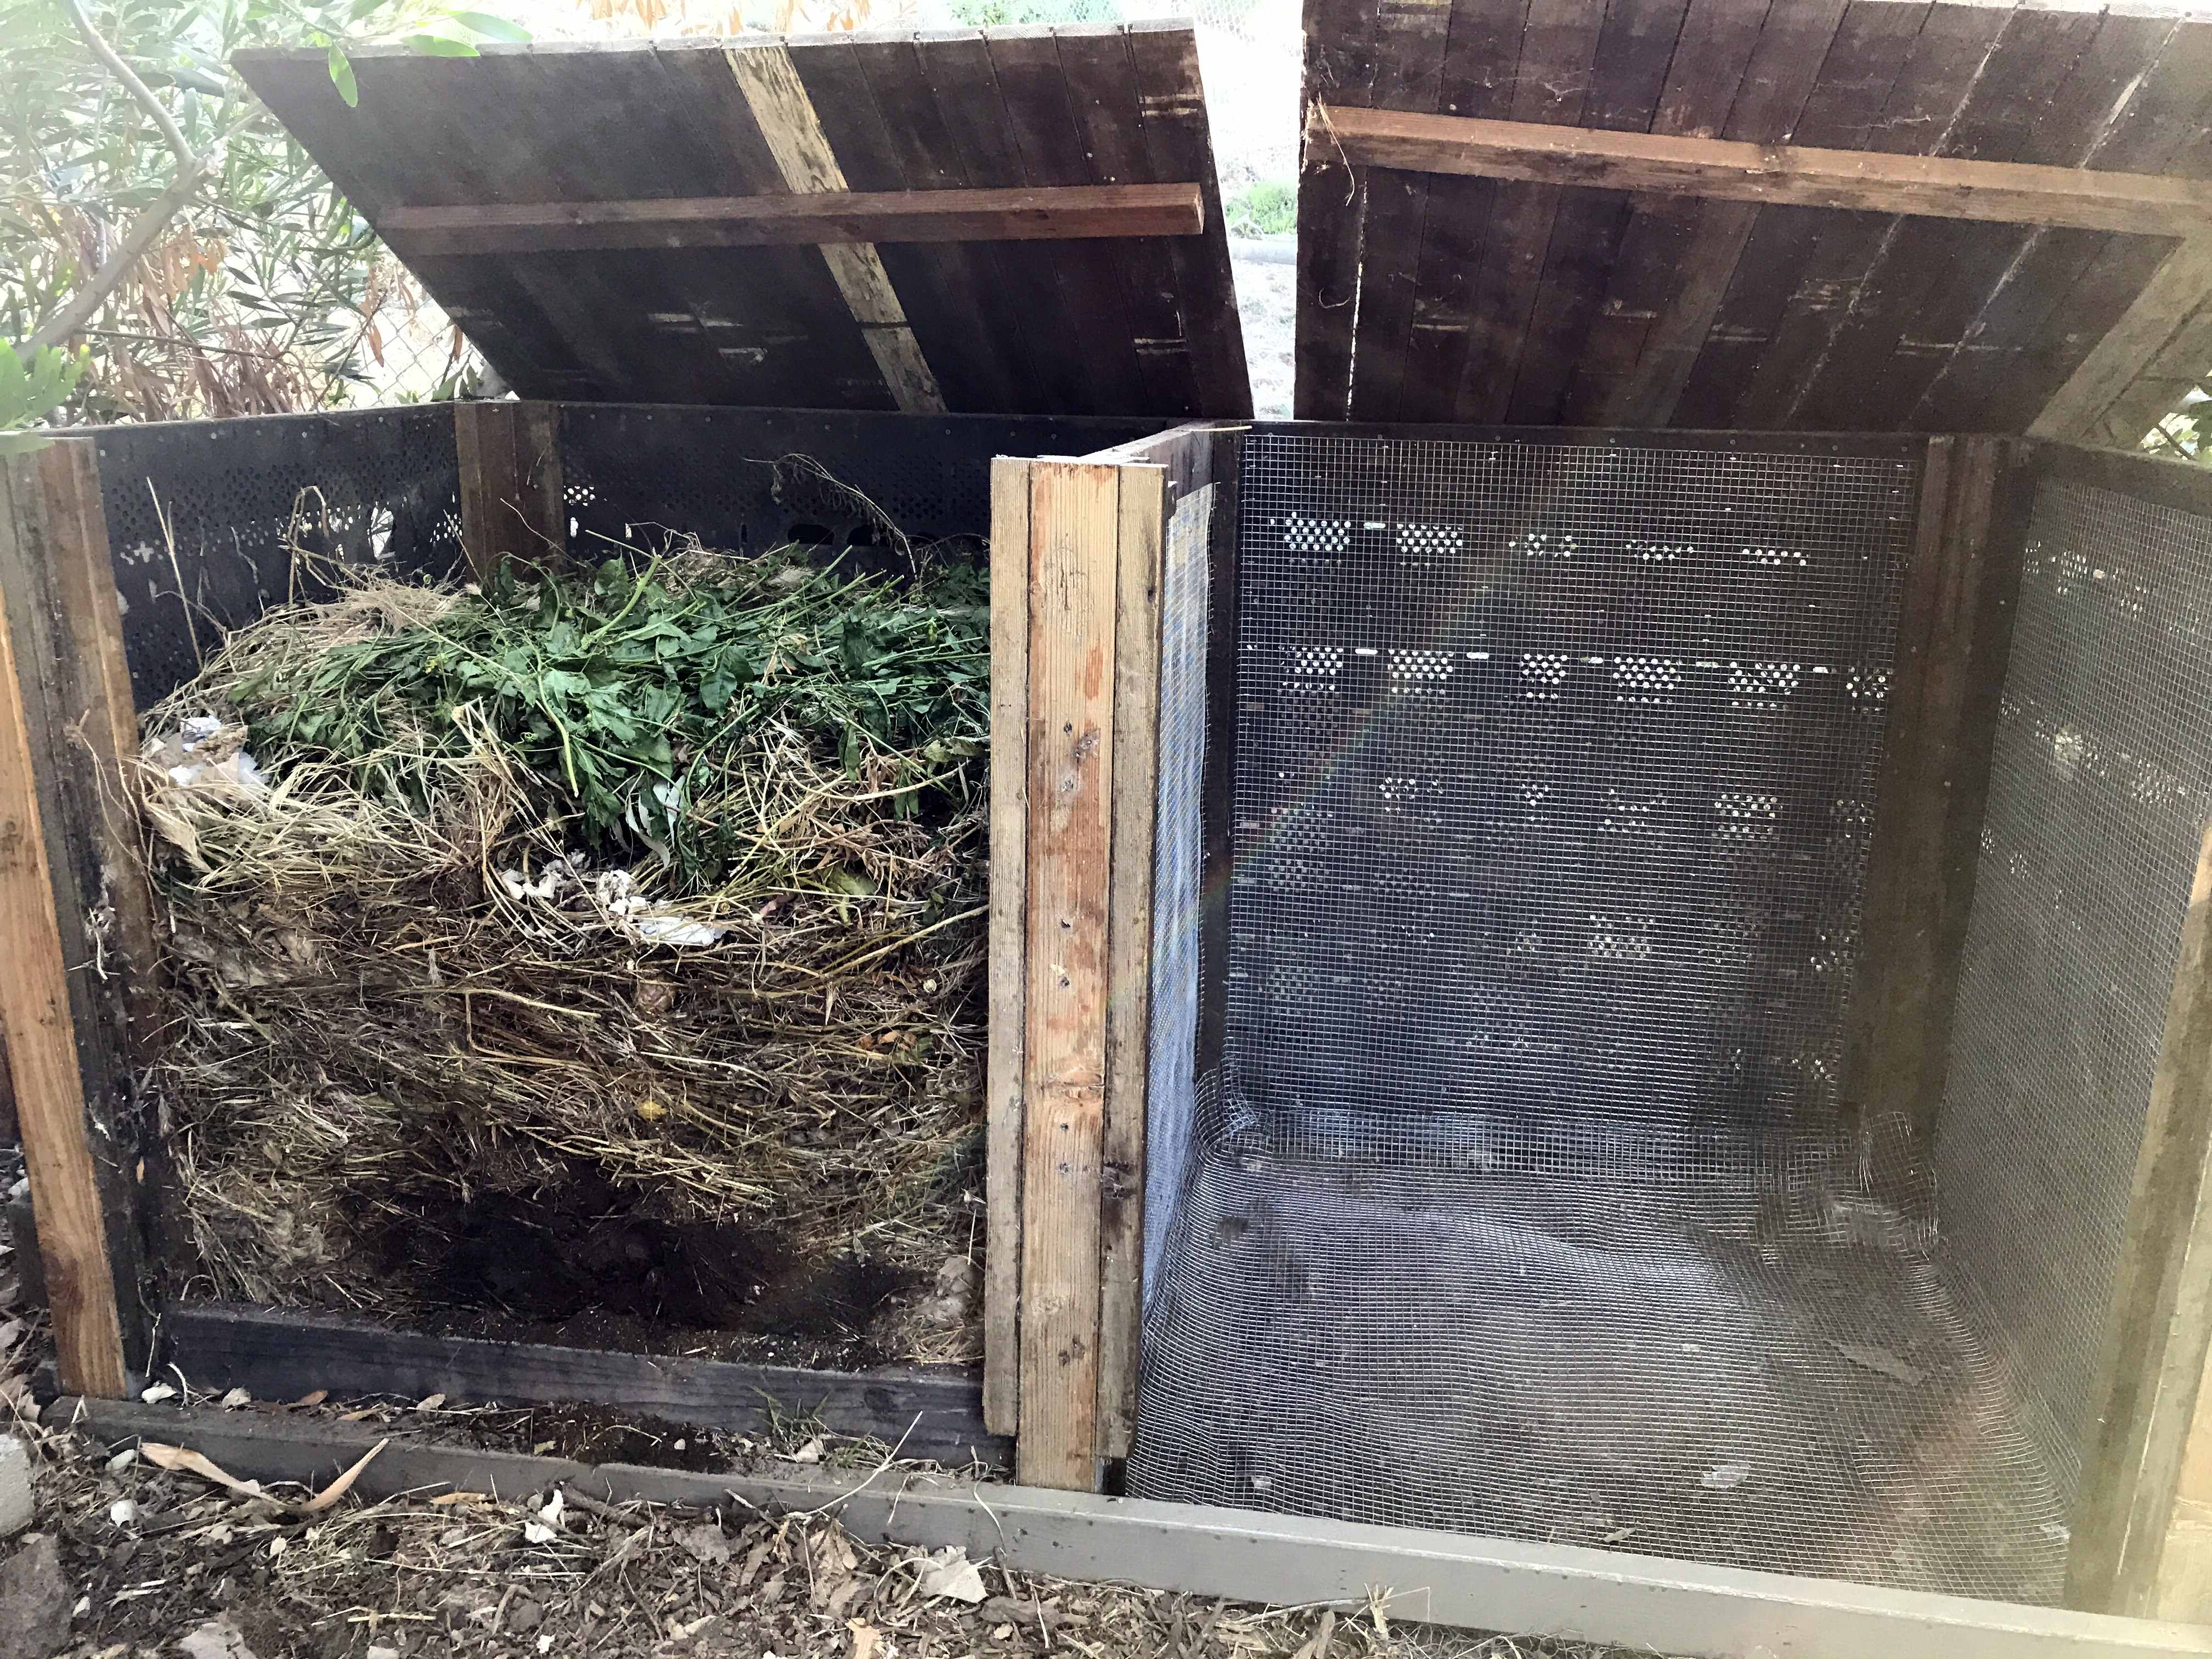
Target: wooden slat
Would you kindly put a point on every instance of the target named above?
(1171, 103)
(2155, 1340)
(1143, 508)
(1340, 67)
(1009, 957)
(1941, 186)
(1955, 629)
(773, 91)
(1104, 102)
(906, 216)
(282, 1354)
(1410, 48)
(1618, 381)
(1039, 119)
(2039, 321)
(1074, 529)
(1482, 49)
(366, 153)
(888, 132)
(1934, 79)
(513, 507)
(1921, 295)
(1552, 86)
(1766, 251)
(1634, 52)
(953, 70)
(2181, 287)
(68, 1033)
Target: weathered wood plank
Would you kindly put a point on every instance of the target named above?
(773, 91)
(1143, 512)
(1171, 105)
(1922, 293)
(1074, 533)
(1635, 51)
(898, 216)
(282, 1354)
(1552, 85)
(1772, 249)
(1339, 68)
(1008, 955)
(67, 1039)
(514, 506)
(2012, 192)
(2066, 289)
(2182, 287)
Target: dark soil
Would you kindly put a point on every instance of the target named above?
(583, 1264)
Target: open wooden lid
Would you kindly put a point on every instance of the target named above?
(1605, 229)
(1024, 221)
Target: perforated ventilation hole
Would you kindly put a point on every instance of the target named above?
(372, 486)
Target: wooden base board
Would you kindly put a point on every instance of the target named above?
(1440, 1578)
(276, 1354)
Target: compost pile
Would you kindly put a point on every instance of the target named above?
(607, 942)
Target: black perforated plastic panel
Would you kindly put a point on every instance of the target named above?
(633, 470)
(226, 498)
(1556, 775)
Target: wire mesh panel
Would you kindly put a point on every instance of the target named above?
(203, 516)
(1524, 1204)
(2099, 792)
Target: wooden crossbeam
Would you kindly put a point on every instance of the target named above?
(1933, 186)
(1072, 213)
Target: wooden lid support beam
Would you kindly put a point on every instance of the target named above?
(1944, 187)
(1062, 213)
(778, 100)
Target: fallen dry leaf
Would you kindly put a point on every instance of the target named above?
(316, 1398)
(177, 1458)
(339, 1487)
(867, 1640)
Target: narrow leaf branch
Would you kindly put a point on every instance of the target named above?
(191, 168)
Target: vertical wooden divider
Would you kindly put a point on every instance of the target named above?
(1953, 634)
(74, 995)
(1075, 639)
(1135, 788)
(513, 499)
(1074, 533)
(1010, 750)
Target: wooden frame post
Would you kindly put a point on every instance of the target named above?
(75, 986)
(513, 499)
(1953, 634)
(1078, 561)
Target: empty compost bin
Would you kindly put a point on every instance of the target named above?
(1559, 1131)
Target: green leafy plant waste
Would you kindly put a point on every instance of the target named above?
(625, 696)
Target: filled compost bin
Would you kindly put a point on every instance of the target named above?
(601, 945)
(591, 952)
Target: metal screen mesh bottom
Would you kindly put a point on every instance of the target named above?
(2100, 788)
(1584, 1362)
(1523, 1204)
